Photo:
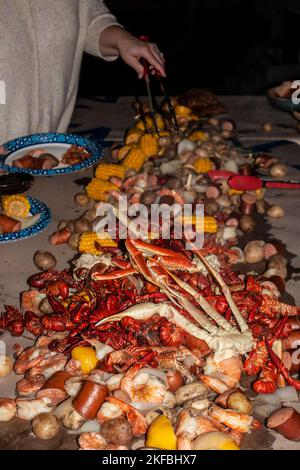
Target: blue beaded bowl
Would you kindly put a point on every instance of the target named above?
(54, 143)
(36, 207)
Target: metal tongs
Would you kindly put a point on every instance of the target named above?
(156, 74)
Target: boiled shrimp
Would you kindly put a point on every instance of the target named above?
(108, 411)
(51, 363)
(142, 387)
(30, 385)
(29, 409)
(28, 358)
(233, 419)
(135, 418)
(94, 441)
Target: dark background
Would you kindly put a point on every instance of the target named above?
(228, 46)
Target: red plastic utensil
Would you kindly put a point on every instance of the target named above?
(251, 183)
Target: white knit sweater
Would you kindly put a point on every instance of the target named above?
(41, 47)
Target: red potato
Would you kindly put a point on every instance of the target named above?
(212, 192)
(270, 250)
(60, 236)
(9, 225)
(286, 422)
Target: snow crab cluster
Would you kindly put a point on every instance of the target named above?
(144, 343)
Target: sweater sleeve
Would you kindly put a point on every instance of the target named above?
(100, 19)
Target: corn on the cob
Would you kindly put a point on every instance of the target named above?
(104, 239)
(179, 109)
(90, 242)
(105, 170)
(198, 135)
(209, 224)
(123, 151)
(87, 243)
(160, 122)
(149, 145)
(134, 160)
(133, 135)
(203, 165)
(147, 123)
(15, 206)
(98, 188)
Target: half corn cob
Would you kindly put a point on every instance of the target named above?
(133, 135)
(15, 206)
(105, 170)
(90, 241)
(208, 224)
(97, 189)
(149, 145)
(203, 165)
(134, 159)
(123, 151)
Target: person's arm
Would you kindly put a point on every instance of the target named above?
(107, 39)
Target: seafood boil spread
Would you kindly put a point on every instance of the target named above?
(154, 341)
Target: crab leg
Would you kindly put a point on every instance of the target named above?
(167, 257)
(226, 291)
(113, 275)
(211, 312)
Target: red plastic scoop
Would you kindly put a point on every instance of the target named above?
(251, 183)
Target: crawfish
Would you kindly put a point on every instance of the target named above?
(268, 378)
(121, 360)
(57, 322)
(33, 323)
(12, 320)
(256, 359)
(53, 282)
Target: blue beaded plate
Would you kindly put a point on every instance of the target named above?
(40, 140)
(36, 207)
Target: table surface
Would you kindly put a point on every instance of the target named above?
(100, 116)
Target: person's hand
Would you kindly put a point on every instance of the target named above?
(132, 50)
(115, 40)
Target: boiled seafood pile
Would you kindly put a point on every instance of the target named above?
(145, 341)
